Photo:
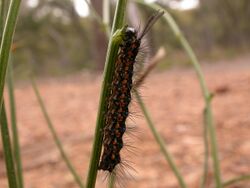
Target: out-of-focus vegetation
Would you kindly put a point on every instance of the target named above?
(217, 25)
(51, 38)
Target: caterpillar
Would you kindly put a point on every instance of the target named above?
(120, 95)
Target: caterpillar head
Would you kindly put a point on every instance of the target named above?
(130, 33)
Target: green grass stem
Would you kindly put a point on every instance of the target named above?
(206, 94)
(55, 137)
(206, 153)
(236, 180)
(6, 41)
(106, 15)
(2, 16)
(98, 17)
(8, 155)
(15, 136)
(107, 78)
(111, 183)
(160, 141)
(7, 33)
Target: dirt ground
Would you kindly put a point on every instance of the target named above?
(174, 100)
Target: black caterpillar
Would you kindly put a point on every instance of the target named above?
(120, 95)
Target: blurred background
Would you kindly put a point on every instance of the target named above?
(57, 37)
(63, 43)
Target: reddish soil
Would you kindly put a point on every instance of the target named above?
(176, 105)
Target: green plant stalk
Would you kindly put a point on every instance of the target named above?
(9, 162)
(95, 14)
(6, 41)
(98, 18)
(16, 146)
(160, 141)
(55, 137)
(111, 181)
(107, 78)
(214, 145)
(236, 180)
(2, 16)
(207, 98)
(106, 15)
(205, 91)
(206, 154)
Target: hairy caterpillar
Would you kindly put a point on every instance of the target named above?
(120, 95)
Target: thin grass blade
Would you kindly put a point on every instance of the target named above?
(206, 94)
(206, 153)
(236, 180)
(7, 149)
(6, 41)
(15, 136)
(160, 141)
(55, 137)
